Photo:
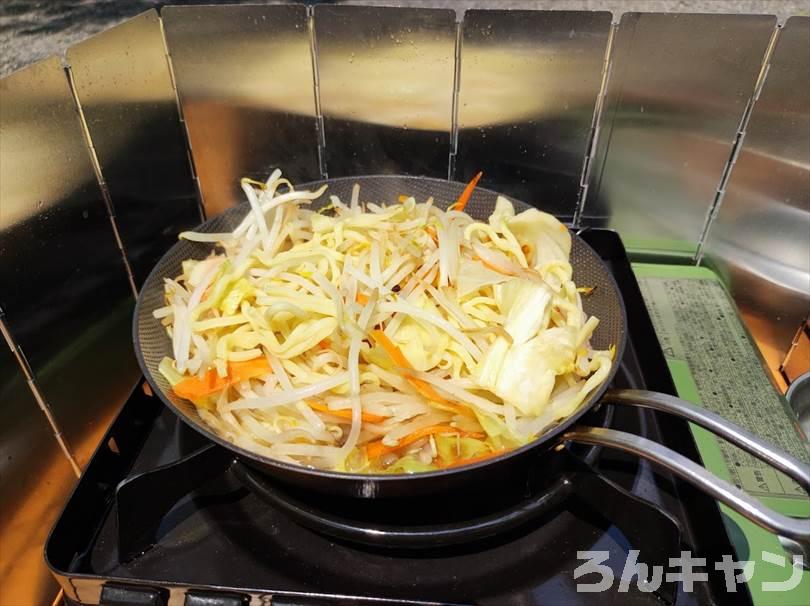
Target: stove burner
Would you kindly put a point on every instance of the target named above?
(576, 487)
(406, 525)
(413, 523)
(345, 520)
(417, 523)
(397, 525)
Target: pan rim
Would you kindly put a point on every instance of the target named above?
(545, 439)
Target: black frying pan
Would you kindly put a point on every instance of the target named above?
(152, 344)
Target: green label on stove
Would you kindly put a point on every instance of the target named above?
(696, 323)
(714, 364)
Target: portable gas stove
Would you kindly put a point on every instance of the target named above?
(161, 517)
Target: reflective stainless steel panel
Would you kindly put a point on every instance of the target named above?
(244, 77)
(64, 290)
(386, 86)
(529, 83)
(34, 480)
(678, 88)
(124, 86)
(760, 239)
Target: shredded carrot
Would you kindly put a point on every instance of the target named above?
(403, 198)
(427, 391)
(391, 349)
(248, 369)
(377, 448)
(476, 459)
(361, 298)
(423, 388)
(432, 233)
(465, 196)
(324, 344)
(345, 413)
(196, 387)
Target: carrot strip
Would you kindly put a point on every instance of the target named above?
(427, 391)
(377, 448)
(361, 298)
(424, 389)
(391, 349)
(192, 388)
(403, 198)
(476, 459)
(345, 413)
(432, 233)
(248, 369)
(196, 387)
(324, 344)
(465, 196)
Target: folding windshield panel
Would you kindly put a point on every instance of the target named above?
(762, 228)
(124, 86)
(678, 88)
(528, 86)
(65, 295)
(245, 82)
(386, 88)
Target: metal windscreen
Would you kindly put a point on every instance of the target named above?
(152, 343)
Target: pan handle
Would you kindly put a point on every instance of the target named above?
(793, 528)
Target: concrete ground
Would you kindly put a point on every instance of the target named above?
(31, 30)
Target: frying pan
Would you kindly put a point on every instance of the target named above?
(152, 344)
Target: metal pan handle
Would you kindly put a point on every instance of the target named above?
(793, 528)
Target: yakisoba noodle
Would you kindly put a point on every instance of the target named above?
(380, 336)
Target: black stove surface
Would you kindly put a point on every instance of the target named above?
(222, 538)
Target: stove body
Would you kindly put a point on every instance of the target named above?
(687, 134)
(101, 550)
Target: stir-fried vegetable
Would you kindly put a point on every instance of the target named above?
(198, 386)
(465, 196)
(384, 336)
(378, 448)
